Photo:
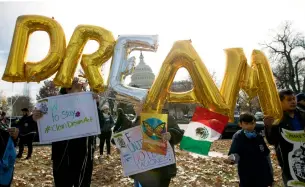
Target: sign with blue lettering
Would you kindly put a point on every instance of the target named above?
(133, 158)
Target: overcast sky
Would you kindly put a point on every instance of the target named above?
(212, 26)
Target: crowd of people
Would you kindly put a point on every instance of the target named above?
(73, 159)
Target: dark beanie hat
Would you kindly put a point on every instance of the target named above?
(300, 97)
(63, 91)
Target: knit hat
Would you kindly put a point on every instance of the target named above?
(300, 97)
(105, 107)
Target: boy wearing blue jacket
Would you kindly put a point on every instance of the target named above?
(251, 154)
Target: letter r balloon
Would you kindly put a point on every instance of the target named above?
(90, 63)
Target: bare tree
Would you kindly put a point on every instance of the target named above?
(182, 86)
(3, 102)
(47, 90)
(20, 102)
(244, 103)
(287, 53)
(186, 108)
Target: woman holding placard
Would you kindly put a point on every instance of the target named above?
(72, 159)
(159, 177)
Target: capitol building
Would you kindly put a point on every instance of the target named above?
(143, 76)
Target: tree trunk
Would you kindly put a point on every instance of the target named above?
(291, 73)
(296, 69)
(303, 90)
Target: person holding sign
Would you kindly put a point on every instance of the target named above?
(287, 136)
(159, 177)
(72, 159)
(8, 137)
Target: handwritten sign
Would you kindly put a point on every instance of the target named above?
(134, 159)
(68, 117)
(296, 156)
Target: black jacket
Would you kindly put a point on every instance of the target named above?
(176, 136)
(27, 125)
(282, 147)
(254, 169)
(105, 125)
(301, 108)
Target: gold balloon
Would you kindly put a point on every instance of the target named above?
(236, 61)
(204, 92)
(256, 80)
(90, 63)
(267, 93)
(250, 82)
(17, 70)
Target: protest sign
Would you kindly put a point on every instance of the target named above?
(296, 156)
(134, 159)
(153, 126)
(67, 117)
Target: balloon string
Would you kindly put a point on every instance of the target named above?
(11, 106)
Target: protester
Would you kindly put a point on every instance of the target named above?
(301, 102)
(28, 129)
(72, 159)
(293, 120)
(7, 165)
(159, 177)
(251, 154)
(122, 123)
(106, 129)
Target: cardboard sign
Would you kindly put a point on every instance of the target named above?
(134, 159)
(68, 117)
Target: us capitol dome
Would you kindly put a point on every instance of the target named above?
(143, 76)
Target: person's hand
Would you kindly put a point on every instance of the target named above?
(138, 109)
(37, 114)
(14, 132)
(166, 136)
(268, 121)
(118, 151)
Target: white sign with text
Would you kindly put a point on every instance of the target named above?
(68, 117)
(134, 159)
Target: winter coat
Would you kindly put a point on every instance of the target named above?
(27, 125)
(106, 124)
(254, 168)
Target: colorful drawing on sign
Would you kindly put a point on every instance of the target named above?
(134, 159)
(296, 157)
(42, 105)
(153, 126)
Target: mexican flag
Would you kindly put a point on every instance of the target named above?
(205, 127)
